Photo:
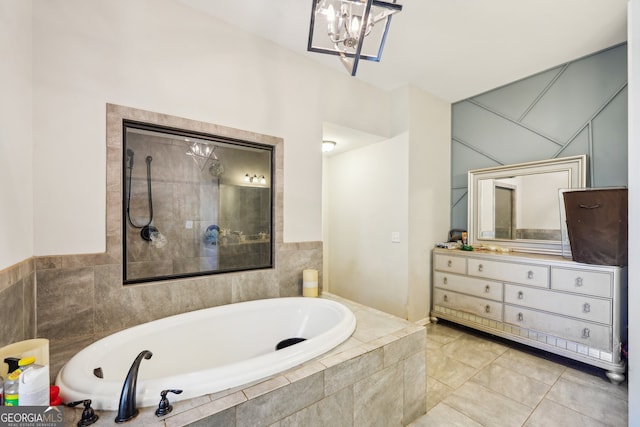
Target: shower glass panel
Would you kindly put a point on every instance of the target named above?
(194, 204)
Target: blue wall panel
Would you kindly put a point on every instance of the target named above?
(609, 166)
(575, 108)
(582, 89)
(466, 159)
(517, 98)
(579, 145)
(500, 139)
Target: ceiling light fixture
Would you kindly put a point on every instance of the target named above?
(200, 149)
(328, 146)
(337, 29)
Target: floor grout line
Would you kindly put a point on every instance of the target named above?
(447, 338)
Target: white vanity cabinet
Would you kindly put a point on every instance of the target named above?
(545, 301)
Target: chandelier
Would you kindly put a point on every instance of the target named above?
(351, 29)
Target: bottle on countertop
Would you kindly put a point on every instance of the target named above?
(1, 391)
(11, 388)
(33, 384)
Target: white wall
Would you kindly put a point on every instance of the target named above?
(486, 220)
(634, 210)
(396, 185)
(367, 199)
(429, 203)
(162, 56)
(16, 146)
(532, 212)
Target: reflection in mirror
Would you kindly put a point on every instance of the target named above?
(505, 224)
(517, 205)
(193, 204)
(506, 215)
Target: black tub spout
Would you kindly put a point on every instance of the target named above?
(127, 408)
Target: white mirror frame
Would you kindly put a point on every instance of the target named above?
(576, 166)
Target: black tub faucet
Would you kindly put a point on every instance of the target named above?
(127, 407)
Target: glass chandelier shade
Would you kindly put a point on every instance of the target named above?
(350, 29)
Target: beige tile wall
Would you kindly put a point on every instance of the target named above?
(17, 303)
(78, 304)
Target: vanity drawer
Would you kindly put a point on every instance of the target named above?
(453, 264)
(582, 307)
(585, 282)
(478, 306)
(469, 285)
(589, 334)
(528, 274)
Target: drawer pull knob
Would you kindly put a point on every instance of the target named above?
(579, 281)
(586, 307)
(520, 317)
(530, 275)
(487, 289)
(585, 333)
(445, 298)
(480, 267)
(487, 308)
(444, 281)
(520, 295)
(449, 263)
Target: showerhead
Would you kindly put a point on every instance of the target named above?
(216, 169)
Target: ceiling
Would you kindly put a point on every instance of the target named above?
(453, 49)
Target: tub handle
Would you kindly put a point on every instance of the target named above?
(164, 407)
(88, 415)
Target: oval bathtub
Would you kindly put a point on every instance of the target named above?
(206, 351)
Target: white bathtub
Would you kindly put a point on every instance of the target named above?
(206, 351)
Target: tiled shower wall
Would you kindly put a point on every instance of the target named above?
(181, 192)
(80, 298)
(184, 191)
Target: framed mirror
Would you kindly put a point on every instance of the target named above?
(517, 206)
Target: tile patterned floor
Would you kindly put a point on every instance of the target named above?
(476, 380)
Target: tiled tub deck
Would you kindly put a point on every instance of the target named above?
(376, 377)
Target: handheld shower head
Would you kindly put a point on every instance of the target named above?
(130, 157)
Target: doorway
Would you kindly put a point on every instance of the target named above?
(505, 219)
